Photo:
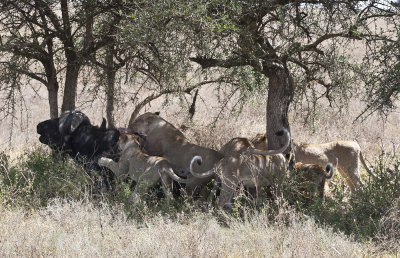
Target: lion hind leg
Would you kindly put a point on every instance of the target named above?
(225, 198)
(214, 190)
(167, 184)
(355, 175)
(321, 189)
(351, 177)
(228, 187)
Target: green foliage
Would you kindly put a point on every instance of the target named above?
(361, 213)
(383, 81)
(38, 177)
(370, 213)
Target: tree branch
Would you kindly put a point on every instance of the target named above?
(33, 76)
(211, 62)
(154, 96)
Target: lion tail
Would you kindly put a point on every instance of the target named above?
(329, 171)
(366, 166)
(174, 177)
(199, 160)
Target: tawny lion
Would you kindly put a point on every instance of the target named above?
(144, 169)
(250, 170)
(236, 146)
(163, 139)
(348, 154)
(311, 178)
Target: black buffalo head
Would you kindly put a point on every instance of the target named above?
(74, 133)
(50, 134)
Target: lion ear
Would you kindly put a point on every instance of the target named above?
(157, 113)
(123, 137)
(103, 124)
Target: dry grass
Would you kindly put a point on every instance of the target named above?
(389, 235)
(81, 229)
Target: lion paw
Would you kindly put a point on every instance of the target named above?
(103, 161)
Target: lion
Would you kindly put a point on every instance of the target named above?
(312, 177)
(251, 170)
(236, 146)
(347, 152)
(260, 141)
(160, 138)
(144, 169)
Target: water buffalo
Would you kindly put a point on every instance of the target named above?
(73, 133)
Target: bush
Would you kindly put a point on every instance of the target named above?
(360, 214)
(36, 177)
(39, 176)
(389, 228)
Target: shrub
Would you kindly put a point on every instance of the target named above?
(38, 176)
(360, 214)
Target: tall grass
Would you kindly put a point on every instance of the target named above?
(79, 228)
(52, 207)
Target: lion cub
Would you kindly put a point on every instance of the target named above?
(144, 169)
(312, 177)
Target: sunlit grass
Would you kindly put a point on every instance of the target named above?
(79, 228)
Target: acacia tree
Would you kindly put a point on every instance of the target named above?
(68, 28)
(383, 80)
(156, 37)
(28, 49)
(107, 62)
(39, 31)
(294, 44)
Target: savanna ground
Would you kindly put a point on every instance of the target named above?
(47, 208)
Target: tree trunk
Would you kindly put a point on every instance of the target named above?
(280, 95)
(73, 64)
(88, 38)
(52, 83)
(110, 87)
(53, 99)
(71, 81)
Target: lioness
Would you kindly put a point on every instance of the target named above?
(163, 139)
(236, 146)
(347, 152)
(141, 167)
(250, 170)
(312, 177)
